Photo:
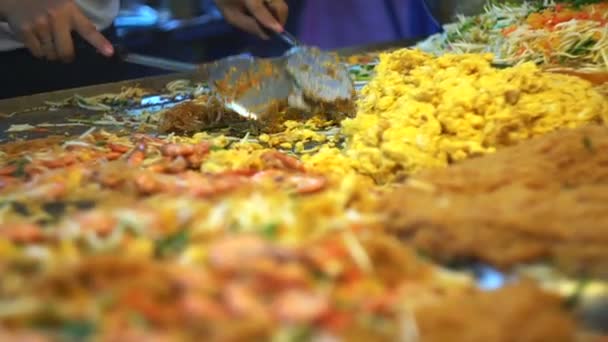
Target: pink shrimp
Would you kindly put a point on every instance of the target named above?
(98, 222)
(178, 165)
(237, 252)
(202, 148)
(22, 232)
(8, 170)
(6, 181)
(307, 184)
(299, 306)
(243, 301)
(278, 160)
(201, 308)
(136, 158)
(113, 155)
(175, 150)
(118, 148)
(59, 162)
(301, 183)
(147, 183)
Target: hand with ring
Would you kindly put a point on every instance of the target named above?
(248, 15)
(46, 26)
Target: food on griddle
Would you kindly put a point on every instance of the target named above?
(199, 114)
(424, 112)
(570, 34)
(244, 287)
(519, 312)
(544, 200)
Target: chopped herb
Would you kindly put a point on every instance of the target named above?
(582, 47)
(588, 144)
(20, 208)
(270, 230)
(20, 164)
(424, 254)
(573, 300)
(84, 204)
(101, 143)
(56, 208)
(581, 3)
(298, 333)
(172, 243)
(216, 148)
(77, 330)
(138, 319)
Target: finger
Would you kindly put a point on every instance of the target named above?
(245, 23)
(43, 32)
(62, 36)
(259, 10)
(30, 40)
(88, 31)
(280, 10)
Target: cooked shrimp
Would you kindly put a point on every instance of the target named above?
(8, 170)
(22, 232)
(138, 155)
(59, 162)
(175, 150)
(113, 155)
(201, 308)
(147, 183)
(237, 252)
(243, 301)
(306, 184)
(278, 160)
(178, 165)
(98, 222)
(6, 181)
(300, 307)
(303, 184)
(118, 148)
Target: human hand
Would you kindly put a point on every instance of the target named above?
(249, 14)
(45, 27)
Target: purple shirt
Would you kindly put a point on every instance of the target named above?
(332, 24)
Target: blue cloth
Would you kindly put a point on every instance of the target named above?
(334, 24)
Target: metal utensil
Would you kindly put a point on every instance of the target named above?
(304, 79)
(300, 82)
(124, 55)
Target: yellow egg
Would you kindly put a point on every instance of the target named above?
(422, 111)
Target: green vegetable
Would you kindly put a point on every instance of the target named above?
(172, 243)
(581, 48)
(20, 164)
(588, 144)
(270, 230)
(573, 300)
(77, 330)
(580, 3)
(293, 334)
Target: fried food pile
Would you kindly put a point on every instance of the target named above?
(536, 315)
(424, 112)
(543, 200)
(248, 288)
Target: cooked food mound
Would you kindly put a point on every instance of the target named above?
(543, 200)
(422, 111)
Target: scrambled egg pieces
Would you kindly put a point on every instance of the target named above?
(422, 111)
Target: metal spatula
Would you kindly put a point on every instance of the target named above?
(303, 79)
